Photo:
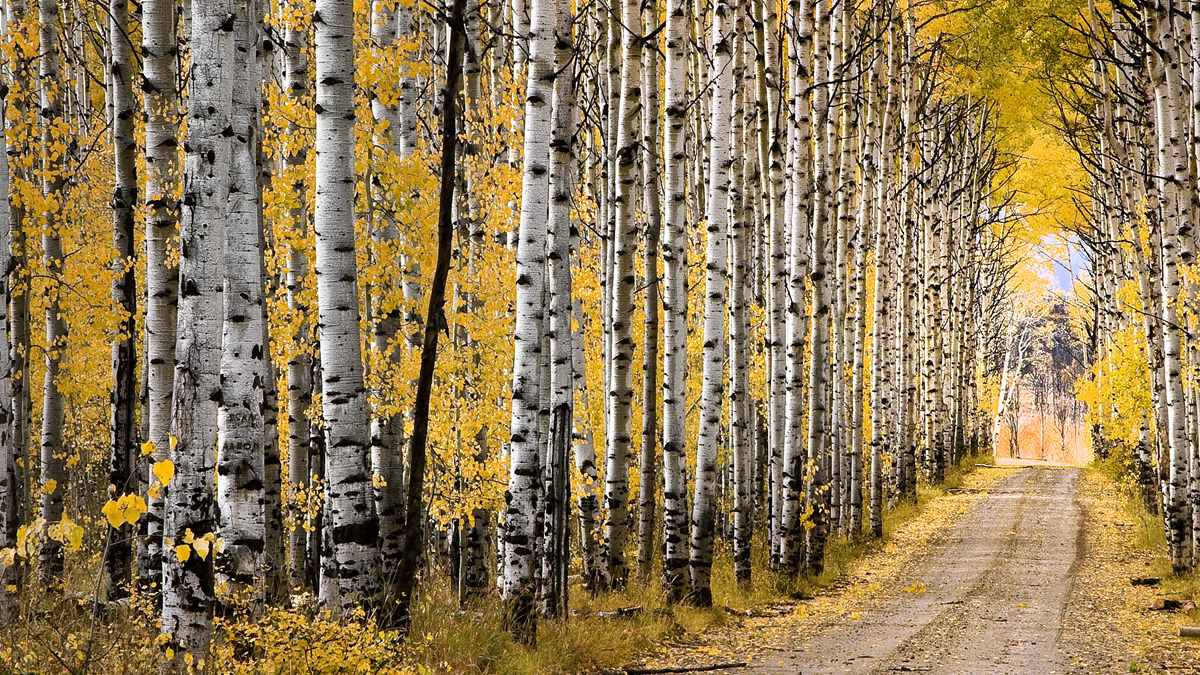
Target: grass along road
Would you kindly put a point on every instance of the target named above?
(1021, 571)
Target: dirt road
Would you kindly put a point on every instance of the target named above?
(989, 597)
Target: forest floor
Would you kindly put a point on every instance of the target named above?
(1021, 570)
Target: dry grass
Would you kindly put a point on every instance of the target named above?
(57, 632)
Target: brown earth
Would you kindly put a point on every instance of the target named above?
(1025, 570)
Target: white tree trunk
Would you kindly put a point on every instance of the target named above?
(122, 420)
(620, 391)
(348, 572)
(54, 182)
(299, 368)
(188, 592)
(675, 302)
(712, 391)
(161, 99)
(240, 469)
(524, 470)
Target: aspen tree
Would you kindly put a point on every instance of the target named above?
(9, 521)
(882, 403)
(299, 365)
(348, 571)
(741, 231)
(387, 429)
(122, 478)
(188, 592)
(555, 480)
(675, 305)
(817, 487)
(1172, 163)
(241, 431)
(55, 138)
(712, 392)
(652, 201)
(161, 107)
(801, 212)
(524, 473)
(624, 248)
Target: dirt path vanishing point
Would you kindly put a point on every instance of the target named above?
(984, 581)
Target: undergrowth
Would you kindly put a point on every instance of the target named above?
(60, 633)
(1151, 535)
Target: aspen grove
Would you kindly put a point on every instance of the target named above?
(332, 303)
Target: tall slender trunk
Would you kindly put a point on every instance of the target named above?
(122, 428)
(188, 591)
(161, 100)
(712, 391)
(818, 378)
(675, 301)
(652, 202)
(555, 473)
(240, 468)
(801, 213)
(9, 487)
(350, 552)
(299, 367)
(620, 391)
(524, 471)
(55, 130)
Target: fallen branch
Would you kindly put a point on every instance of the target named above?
(1147, 581)
(999, 466)
(622, 612)
(683, 669)
(1189, 631)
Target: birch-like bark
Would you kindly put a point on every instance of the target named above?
(1173, 165)
(188, 592)
(299, 367)
(520, 516)
(348, 565)
(240, 469)
(54, 183)
(9, 486)
(818, 379)
(743, 188)
(387, 430)
(652, 203)
(624, 248)
(801, 212)
(161, 105)
(675, 302)
(883, 368)
(122, 426)
(555, 479)
(712, 391)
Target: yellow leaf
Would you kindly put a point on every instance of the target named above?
(183, 552)
(147, 448)
(174, 441)
(50, 486)
(155, 491)
(115, 514)
(164, 471)
(8, 556)
(219, 546)
(170, 653)
(134, 508)
(188, 658)
(201, 546)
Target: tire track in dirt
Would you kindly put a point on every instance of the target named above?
(986, 595)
